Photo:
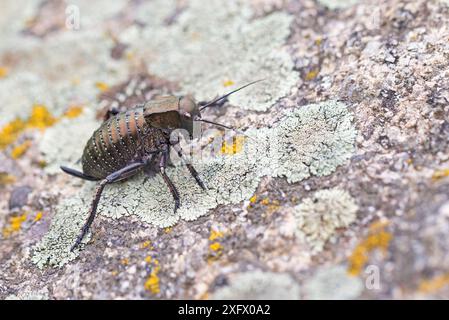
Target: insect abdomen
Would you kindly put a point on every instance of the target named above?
(115, 144)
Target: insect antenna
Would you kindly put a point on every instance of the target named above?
(227, 95)
(223, 126)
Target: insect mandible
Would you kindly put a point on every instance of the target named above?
(131, 140)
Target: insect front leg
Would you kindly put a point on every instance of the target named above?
(113, 177)
(190, 167)
(168, 182)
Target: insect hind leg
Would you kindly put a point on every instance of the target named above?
(113, 177)
(78, 174)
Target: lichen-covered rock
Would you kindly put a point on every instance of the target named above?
(338, 191)
(259, 285)
(313, 140)
(318, 217)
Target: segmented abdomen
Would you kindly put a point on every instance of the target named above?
(115, 144)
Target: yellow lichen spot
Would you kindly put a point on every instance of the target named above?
(377, 238)
(114, 272)
(168, 230)
(235, 147)
(216, 246)
(432, 285)
(152, 283)
(10, 132)
(148, 259)
(318, 41)
(73, 112)
(124, 261)
(20, 150)
(253, 199)
(311, 75)
(6, 178)
(40, 117)
(15, 224)
(3, 72)
(101, 86)
(228, 83)
(265, 201)
(42, 164)
(214, 234)
(146, 244)
(440, 174)
(38, 216)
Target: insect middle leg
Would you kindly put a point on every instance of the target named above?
(113, 177)
(168, 182)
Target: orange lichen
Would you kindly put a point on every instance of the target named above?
(228, 83)
(101, 86)
(3, 72)
(216, 246)
(125, 261)
(440, 174)
(38, 216)
(73, 112)
(432, 285)
(377, 238)
(152, 284)
(15, 224)
(235, 147)
(40, 117)
(145, 244)
(265, 201)
(6, 179)
(11, 132)
(214, 234)
(20, 150)
(311, 75)
(168, 230)
(253, 199)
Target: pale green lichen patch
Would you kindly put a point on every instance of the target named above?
(338, 4)
(214, 46)
(63, 143)
(319, 216)
(259, 285)
(332, 283)
(311, 140)
(54, 248)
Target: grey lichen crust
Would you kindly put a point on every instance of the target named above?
(311, 140)
(63, 143)
(332, 283)
(338, 4)
(259, 285)
(319, 216)
(214, 46)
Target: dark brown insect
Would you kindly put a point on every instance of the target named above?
(131, 140)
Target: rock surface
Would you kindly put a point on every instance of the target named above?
(339, 190)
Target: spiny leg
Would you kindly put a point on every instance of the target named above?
(168, 182)
(113, 177)
(192, 170)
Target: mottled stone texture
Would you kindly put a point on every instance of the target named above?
(340, 190)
